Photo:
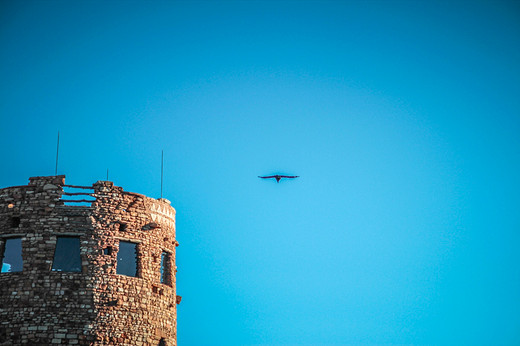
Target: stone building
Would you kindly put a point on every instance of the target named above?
(86, 265)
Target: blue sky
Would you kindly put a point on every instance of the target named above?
(401, 117)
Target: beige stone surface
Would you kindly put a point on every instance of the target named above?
(96, 306)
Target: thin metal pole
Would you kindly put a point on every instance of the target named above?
(107, 174)
(57, 153)
(162, 164)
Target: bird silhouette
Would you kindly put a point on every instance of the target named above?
(279, 177)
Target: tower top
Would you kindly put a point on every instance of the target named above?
(94, 264)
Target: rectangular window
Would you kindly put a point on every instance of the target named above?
(165, 268)
(12, 256)
(15, 221)
(67, 255)
(127, 259)
(107, 251)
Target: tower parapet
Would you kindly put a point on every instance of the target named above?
(87, 265)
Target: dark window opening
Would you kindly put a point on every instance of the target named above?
(67, 256)
(12, 255)
(122, 227)
(162, 342)
(149, 226)
(107, 250)
(127, 259)
(112, 302)
(15, 222)
(165, 268)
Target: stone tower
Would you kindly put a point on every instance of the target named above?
(86, 265)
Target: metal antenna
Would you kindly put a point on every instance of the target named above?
(57, 154)
(107, 174)
(162, 164)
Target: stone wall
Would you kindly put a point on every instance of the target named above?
(94, 305)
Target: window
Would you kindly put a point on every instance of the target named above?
(127, 259)
(107, 251)
(162, 342)
(165, 268)
(15, 221)
(67, 255)
(12, 255)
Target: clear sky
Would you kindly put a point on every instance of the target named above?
(401, 117)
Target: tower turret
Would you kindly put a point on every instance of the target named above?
(86, 265)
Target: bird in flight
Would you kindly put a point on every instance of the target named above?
(279, 177)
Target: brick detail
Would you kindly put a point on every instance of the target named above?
(95, 306)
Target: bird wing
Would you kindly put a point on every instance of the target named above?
(267, 177)
(289, 176)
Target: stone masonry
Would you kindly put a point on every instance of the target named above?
(92, 305)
